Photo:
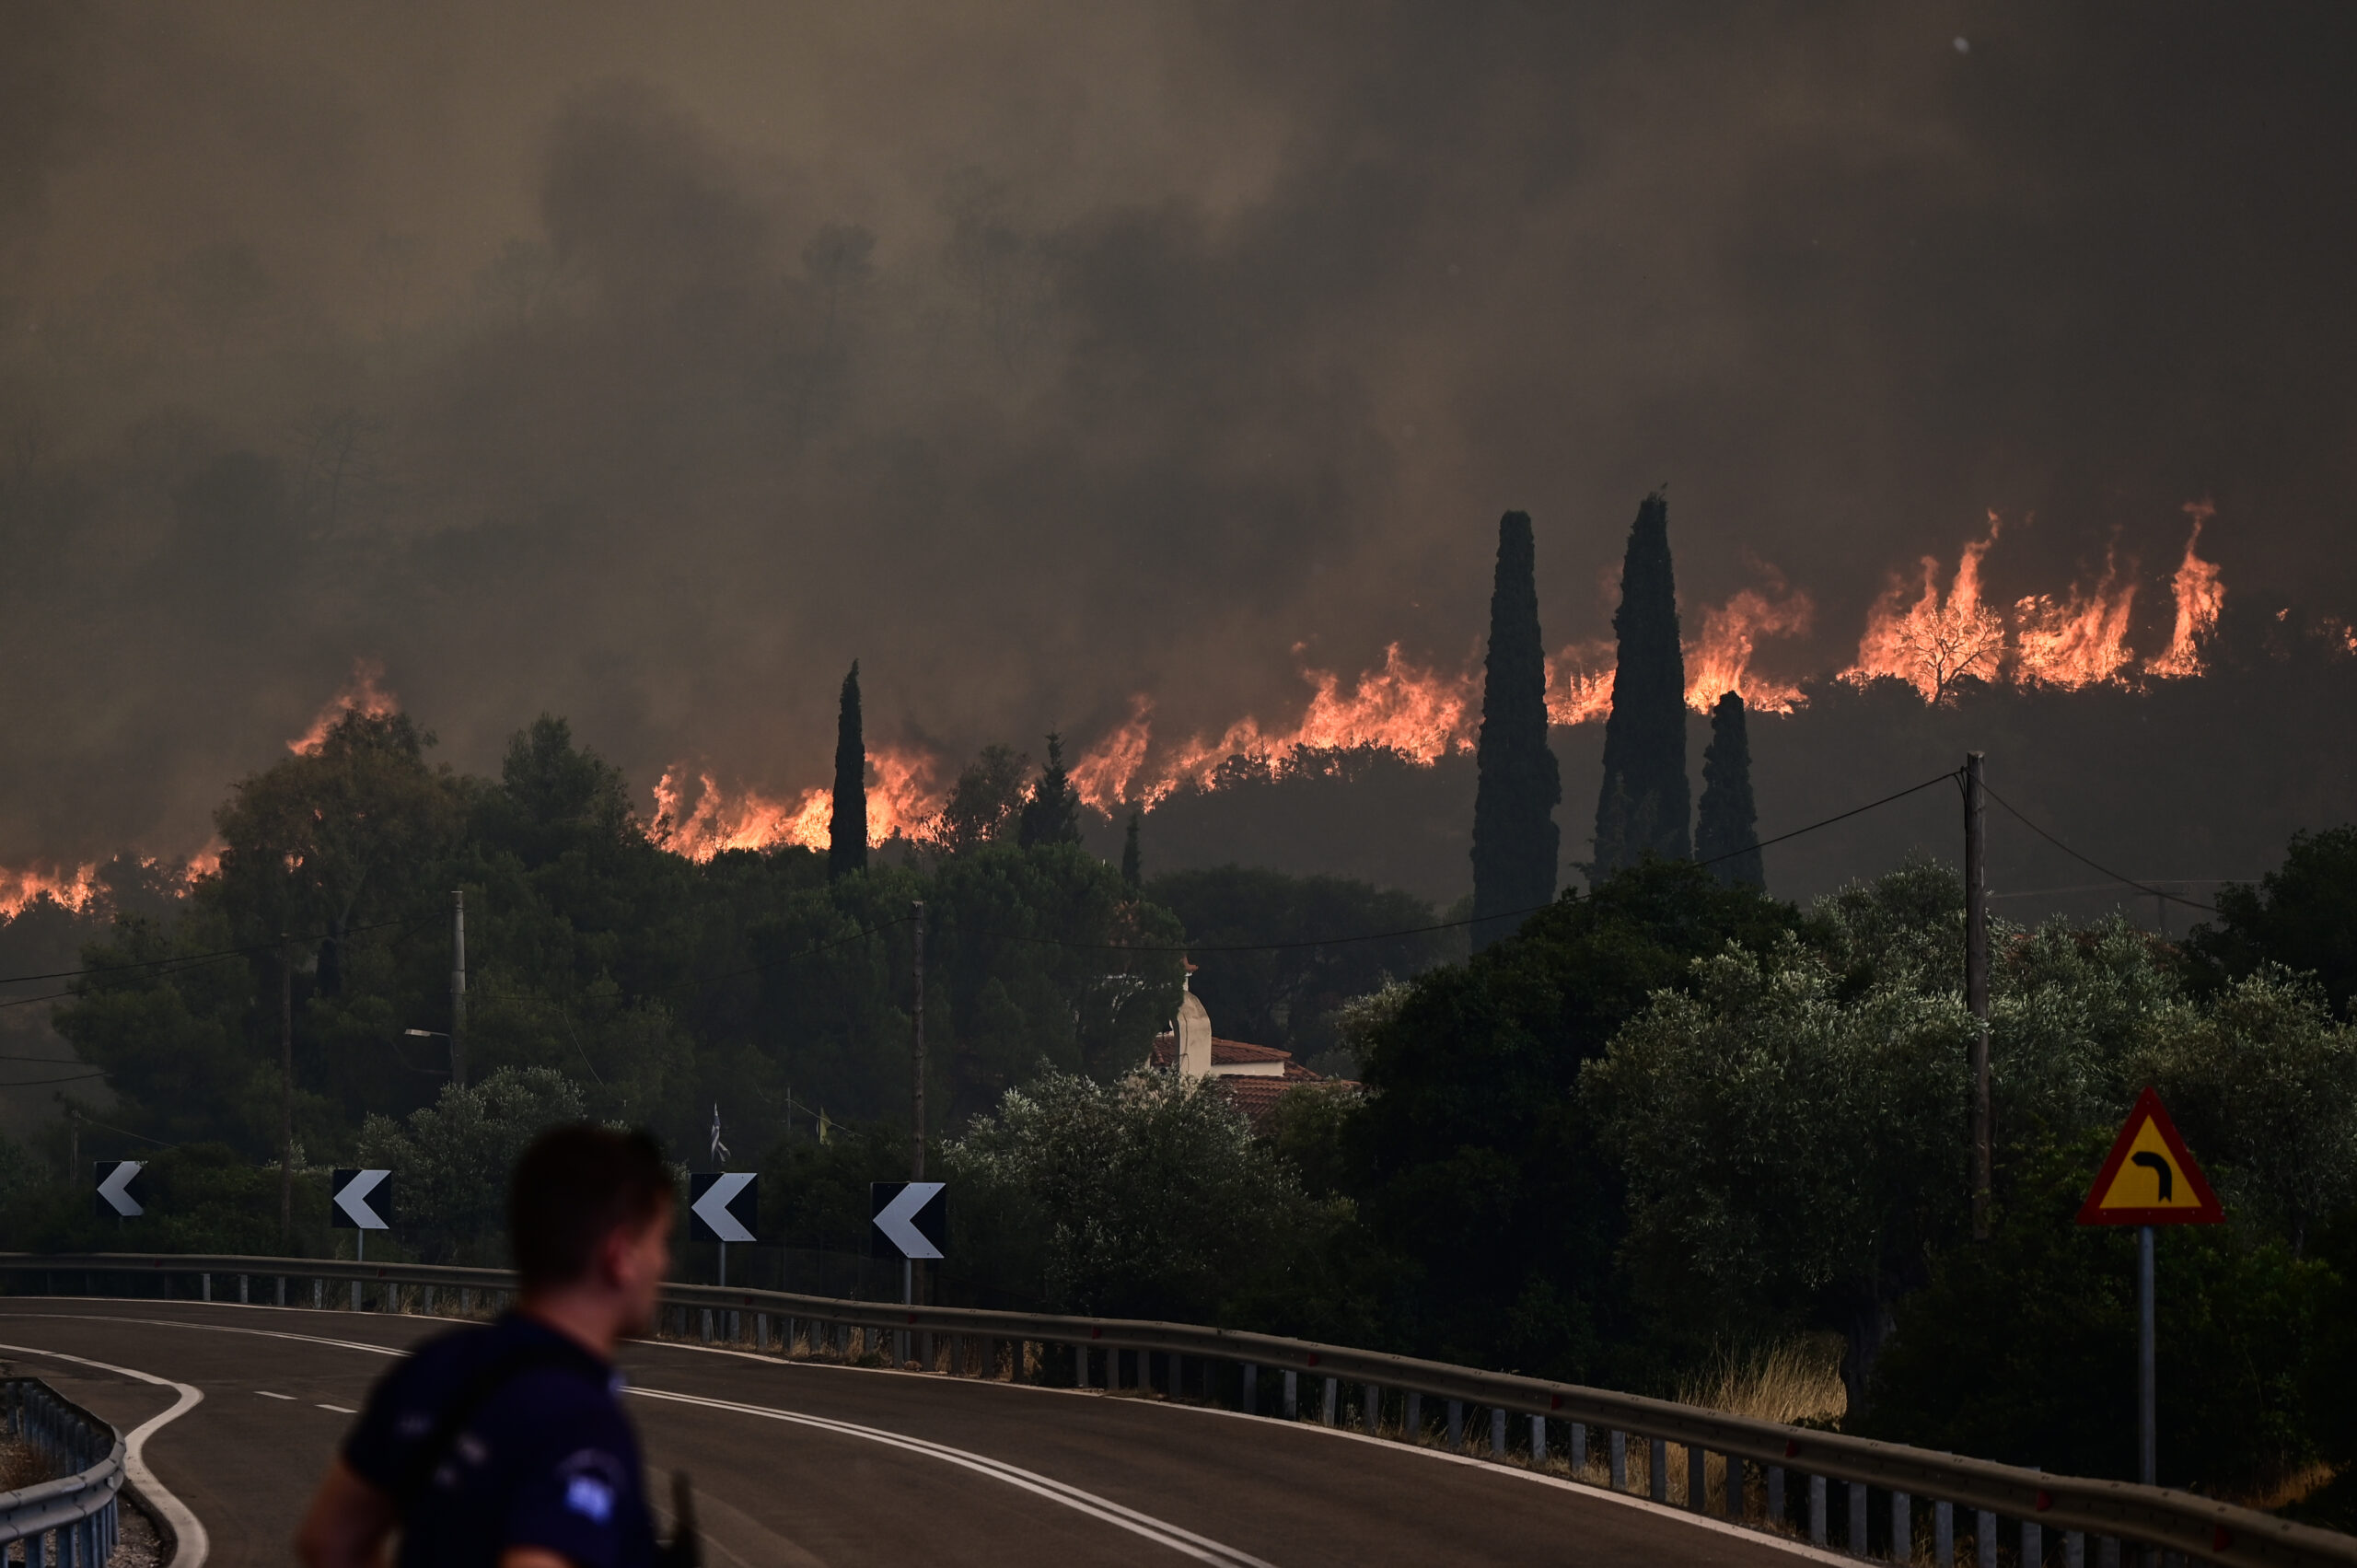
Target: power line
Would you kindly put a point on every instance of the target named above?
(1444, 926)
(1796, 832)
(2074, 855)
(2103, 887)
(189, 959)
(36, 1083)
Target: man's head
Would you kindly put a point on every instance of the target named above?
(589, 1215)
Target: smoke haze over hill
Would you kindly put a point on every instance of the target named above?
(649, 368)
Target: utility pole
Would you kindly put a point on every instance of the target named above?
(916, 1056)
(458, 987)
(285, 1085)
(916, 1095)
(2148, 1445)
(1976, 980)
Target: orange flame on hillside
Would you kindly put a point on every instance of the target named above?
(2080, 641)
(1939, 639)
(2201, 596)
(1403, 707)
(74, 887)
(1579, 683)
(901, 799)
(1719, 661)
(360, 694)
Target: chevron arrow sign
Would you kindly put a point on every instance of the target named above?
(363, 1200)
(723, 1205)
(114, 1178)
(911, 1219)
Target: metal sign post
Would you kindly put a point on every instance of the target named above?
(2149, 1179)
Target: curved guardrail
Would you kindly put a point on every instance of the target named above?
(76, 1510)
(1757, 1460)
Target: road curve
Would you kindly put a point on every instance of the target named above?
(802, 1464)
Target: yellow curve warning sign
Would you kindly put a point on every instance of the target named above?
(2150, 1178)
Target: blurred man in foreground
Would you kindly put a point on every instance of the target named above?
(506, 1446)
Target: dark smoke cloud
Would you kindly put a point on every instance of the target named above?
(649, 368)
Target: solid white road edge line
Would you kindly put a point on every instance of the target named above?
(194, 1546)
(1806, 1550)
(1160, 1531)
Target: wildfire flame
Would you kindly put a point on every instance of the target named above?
(2080, 641)
(1579, 683)
(2201, 596)
(361, 694)
(1939, 639)
(901, 799)
(1720, 660)
(74, 888)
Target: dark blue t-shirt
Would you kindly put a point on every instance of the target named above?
(547, 1459)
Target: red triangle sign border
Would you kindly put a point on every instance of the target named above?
(2208, 1211)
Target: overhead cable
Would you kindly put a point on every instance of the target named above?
(2074, 855)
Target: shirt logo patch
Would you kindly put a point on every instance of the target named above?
(590, 1498)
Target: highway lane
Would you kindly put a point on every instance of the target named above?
(800, 1463)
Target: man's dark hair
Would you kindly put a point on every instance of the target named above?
(575, 1186)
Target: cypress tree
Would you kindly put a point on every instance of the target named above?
(847, 831)
(1133, 866)
(1726, 827)
(1052, 814)
(1643, 806)
(1514, 836)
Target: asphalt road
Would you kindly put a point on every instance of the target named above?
(796, 1463)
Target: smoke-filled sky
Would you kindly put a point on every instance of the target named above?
(649, 365)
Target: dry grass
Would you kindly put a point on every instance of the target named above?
(21, 1465)
(2288, 1488)
(1797, 1380)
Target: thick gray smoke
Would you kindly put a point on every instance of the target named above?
(649, 365)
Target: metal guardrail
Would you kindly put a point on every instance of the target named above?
(1748, 1451)
(70, 1521)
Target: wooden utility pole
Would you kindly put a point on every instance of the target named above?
(911, 1286)
(916, 1055)
(1976, 980)
(458, 986)
(285, 1085)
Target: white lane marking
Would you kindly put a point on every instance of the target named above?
(195, 1546)
(268, 1395)
(1159, 1531)
(1667, 1513)
(339, 1409)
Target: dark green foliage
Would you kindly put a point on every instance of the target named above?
(1480, 1169)
(1514, 836)
(2024, 1349)
(2302, 916)
(652, 982)
(847, 829)
(986, 803)
(1133, 864)
(1643, 803)
(1052, 814)
(1726, 827)
(1282, 996)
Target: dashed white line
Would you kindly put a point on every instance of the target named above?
(268, 1395)
(340, 1409)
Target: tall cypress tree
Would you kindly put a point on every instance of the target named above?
(1052, 814)
(1726, 827)
(1133, 864)
(1514, 836)
(1646, 801)
(847, 833)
